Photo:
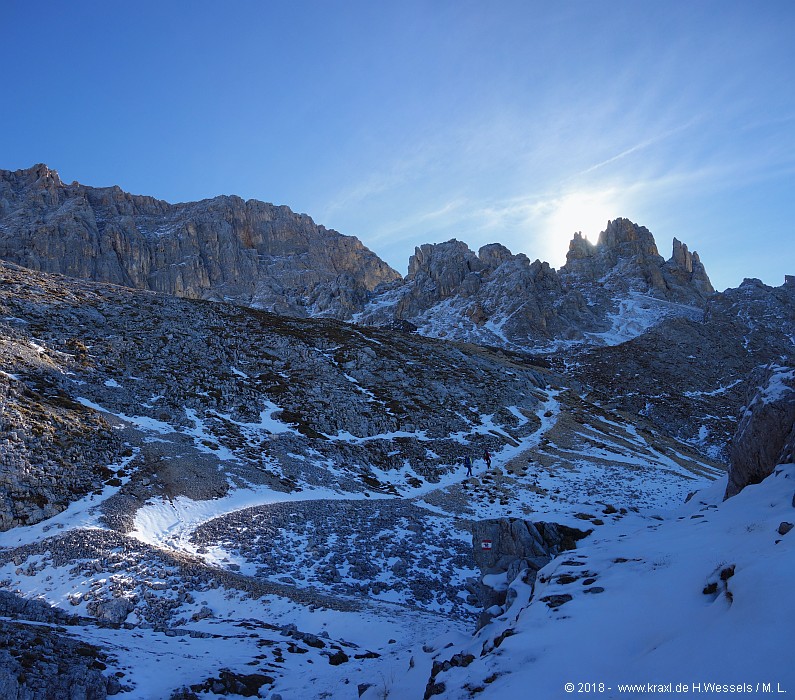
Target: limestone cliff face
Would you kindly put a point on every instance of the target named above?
(248, 252)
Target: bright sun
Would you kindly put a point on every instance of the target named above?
(587, 212)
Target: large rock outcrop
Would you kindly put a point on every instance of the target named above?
(248, 252)
(497, 298)
(765, 436)
(626, 258)
(505, 547)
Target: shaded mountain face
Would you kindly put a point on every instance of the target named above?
(246, 252)
(493, 298)
(285, 402)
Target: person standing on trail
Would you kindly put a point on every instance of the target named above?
(487, 459)
(468, 465)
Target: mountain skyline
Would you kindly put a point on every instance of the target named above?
(268, 257)
(41, 177)
(421, 123)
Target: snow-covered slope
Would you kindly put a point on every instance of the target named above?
(699, 598)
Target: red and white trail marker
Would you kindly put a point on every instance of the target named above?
(485, 544)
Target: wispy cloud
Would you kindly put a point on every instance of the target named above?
(642, 146)
(406, 228)
(531, 179)
(377, 182)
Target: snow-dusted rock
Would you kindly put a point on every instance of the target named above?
(226, 389)
(494, 298)
(42, 661)
(52, 450)
(497, 543)
(690, 375)
(114, 610)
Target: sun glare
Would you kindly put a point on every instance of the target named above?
(587, 212)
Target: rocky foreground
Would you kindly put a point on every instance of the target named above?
(206, 489)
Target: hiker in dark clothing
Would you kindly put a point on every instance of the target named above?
(487, 459)
(468, 465)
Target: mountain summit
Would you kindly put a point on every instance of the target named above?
(626, 258)
(604, 294)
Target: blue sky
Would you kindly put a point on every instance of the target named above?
(410, 122)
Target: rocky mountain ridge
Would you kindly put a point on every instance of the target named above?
(498, 298)
(765, 435)
(626, 258)
(264, 256)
